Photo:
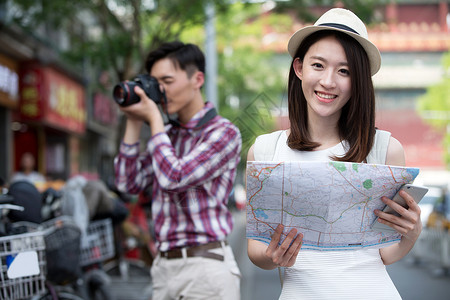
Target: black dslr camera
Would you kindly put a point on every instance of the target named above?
(124, 95)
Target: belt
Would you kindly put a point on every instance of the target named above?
(196, 251)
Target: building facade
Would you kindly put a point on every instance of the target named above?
(50, 109)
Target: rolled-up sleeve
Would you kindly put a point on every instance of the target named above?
(133, 170)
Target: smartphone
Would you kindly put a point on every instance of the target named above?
(415, 191)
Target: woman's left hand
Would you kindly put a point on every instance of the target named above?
(408, 224)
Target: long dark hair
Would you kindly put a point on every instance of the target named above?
(357, 120)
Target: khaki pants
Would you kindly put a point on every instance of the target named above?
(196, 277)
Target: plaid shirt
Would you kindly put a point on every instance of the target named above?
(192, 172)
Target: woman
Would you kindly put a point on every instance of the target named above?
(332, 116)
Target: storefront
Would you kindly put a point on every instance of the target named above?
(9, 99)
(99, 143)
(50, 121)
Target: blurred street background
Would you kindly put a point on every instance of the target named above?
(414, 280)
(60, 60)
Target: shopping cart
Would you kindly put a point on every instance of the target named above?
(97, 244)
(23, 266)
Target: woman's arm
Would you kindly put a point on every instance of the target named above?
(274, 255)
(409, 224)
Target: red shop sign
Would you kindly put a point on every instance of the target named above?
(105, 111)
(53, 98)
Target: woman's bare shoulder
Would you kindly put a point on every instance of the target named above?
(395, 153)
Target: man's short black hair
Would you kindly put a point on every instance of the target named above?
(188, 57)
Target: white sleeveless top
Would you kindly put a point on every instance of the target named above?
(349, 274)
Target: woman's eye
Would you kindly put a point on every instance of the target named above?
(317, 65)
(345, 71)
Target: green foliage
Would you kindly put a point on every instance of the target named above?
(362, 8)
(435, 104)
(31, 13)
(250, 82)
(120, 32)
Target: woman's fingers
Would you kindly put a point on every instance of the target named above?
(284, 254)
(294, 250)
(411, 212)
(408, 223)
(412, 204)
(276, 237)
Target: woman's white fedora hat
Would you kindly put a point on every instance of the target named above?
(342, 20)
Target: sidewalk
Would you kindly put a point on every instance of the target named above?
(256, 283)
(137, 286)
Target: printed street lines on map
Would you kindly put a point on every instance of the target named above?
(331, 203)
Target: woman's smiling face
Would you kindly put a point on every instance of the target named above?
(325, 78)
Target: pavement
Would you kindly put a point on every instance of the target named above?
(137, 285)
(256, 283)
(130, 282)
(134, 288)
(413, 281)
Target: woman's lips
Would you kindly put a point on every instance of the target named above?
(325, 97)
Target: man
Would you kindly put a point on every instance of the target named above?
(191, 165)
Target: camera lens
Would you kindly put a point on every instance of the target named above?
(120, 93)
(124, 95)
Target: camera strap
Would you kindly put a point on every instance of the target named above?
(210, 114)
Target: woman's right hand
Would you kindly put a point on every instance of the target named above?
(284, 255)
(276, 254)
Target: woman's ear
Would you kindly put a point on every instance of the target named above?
(297, 64)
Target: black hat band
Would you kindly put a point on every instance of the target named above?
(339, 26)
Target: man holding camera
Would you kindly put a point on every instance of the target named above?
(190, 165)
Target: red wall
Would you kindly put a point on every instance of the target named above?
(26, 141)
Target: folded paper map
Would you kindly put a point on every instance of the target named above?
(331, 203)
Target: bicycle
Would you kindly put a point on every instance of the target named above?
(36, 242)
(73, 259)
(22, 258)
(97, 245)
(62, 239)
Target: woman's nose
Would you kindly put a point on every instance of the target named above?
(328, 79)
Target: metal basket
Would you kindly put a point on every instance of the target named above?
(13, 249)
(97, 244)
(62, 241)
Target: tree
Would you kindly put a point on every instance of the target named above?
(117, 34)
(251, 82)
(362, 8)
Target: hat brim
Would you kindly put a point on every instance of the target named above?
(372, 51)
